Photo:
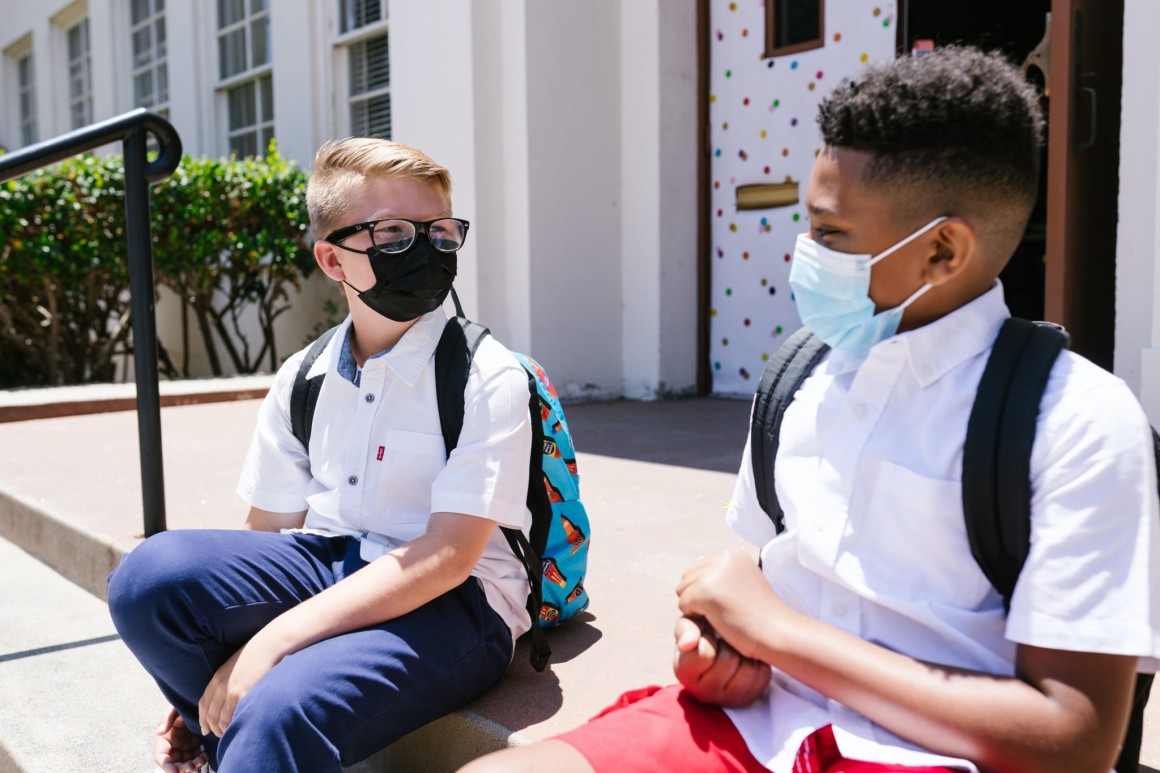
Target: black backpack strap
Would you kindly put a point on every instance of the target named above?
(997, 451)
(538, 502)
(997, 474)
(541, 652)
(1129, 761)
(540, 507)
(790, 366)
(304, 393)
(453, 355)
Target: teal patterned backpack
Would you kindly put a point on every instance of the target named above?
(564, 548)
(555, 555)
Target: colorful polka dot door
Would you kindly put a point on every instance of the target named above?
(771, 62)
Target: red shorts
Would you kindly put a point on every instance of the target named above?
(668, 729)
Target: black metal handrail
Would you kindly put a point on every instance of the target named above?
(130, 129)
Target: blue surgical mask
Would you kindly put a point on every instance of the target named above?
(832, 292)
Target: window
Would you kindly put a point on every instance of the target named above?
(355, 14)
(80, 85)
(150, 68)
(26, 85)
(245, 74)
(365, 40)
(793, 25)
(370, 88)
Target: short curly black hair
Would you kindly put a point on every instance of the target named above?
(959, 130)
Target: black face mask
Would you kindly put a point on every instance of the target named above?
(409, 284)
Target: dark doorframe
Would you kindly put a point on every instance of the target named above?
(1083, 161)
(1077, 212)
(704, 205)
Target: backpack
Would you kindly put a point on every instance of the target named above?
(996, 458)
(556, 555)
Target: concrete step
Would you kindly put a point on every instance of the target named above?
(71, 696)
(655, 481)
(656, 478)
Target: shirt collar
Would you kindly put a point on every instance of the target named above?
(407, 358)
(935, 349)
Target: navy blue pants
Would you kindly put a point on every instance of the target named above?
(185, 601)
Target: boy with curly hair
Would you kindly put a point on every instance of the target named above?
(867, 638)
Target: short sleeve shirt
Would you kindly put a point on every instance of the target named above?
(377, 467)
(869, 472)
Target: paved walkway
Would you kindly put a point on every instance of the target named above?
(655, 478)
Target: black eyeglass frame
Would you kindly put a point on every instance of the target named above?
(337, 236)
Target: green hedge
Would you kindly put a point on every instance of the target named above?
(229, 237)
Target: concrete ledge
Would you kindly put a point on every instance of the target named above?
(69, 495)
(80, 555)
(656, 478)
(71, 695)
(446, 744)
(85, 560)
(53, 402)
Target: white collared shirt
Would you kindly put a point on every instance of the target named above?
(377, 467)
(869, 472)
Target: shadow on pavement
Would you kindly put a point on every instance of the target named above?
(702, 433)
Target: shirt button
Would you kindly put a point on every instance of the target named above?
(369, 398)
(838, 608)
(352, 480)
(859, 411)
(927, 369)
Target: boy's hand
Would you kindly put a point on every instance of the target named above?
(712, 671)
(728, 591)
(176, 749)
(236, 677)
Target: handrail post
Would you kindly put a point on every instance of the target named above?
(141, 292)
(129, 128)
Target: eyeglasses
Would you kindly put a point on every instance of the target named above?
(396, 234)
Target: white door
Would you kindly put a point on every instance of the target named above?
(764, 135)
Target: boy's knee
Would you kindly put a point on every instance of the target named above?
(145, 575)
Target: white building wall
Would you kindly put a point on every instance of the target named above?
(35, 20)
(658, 103)
(570, 130)
(191, 74)
(500, 108)
(574, 158)
(641, 194)
(1137, 354)
(302, 74)
(585, 200)
(433, 109)
(678, 142)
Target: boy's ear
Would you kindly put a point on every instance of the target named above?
(955, 248)
(326, 255)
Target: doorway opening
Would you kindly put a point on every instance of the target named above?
(1020, 31)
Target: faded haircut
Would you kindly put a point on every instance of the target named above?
(955, 132)
(342, 166)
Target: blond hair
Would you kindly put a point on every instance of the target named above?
(341, 166)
